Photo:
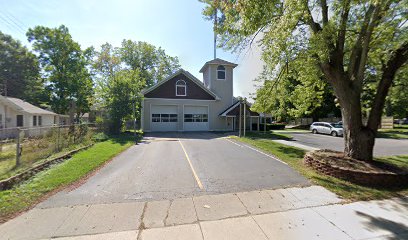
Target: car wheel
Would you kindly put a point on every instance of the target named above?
(334, 134)
(314, 131)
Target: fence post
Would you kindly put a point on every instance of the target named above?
(58, 138)
(18, 147)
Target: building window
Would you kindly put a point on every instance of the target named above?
(20, 120)
(195, 118)
(181, 88)
(221, 72)
(39, 120)
(34, 121)
(164, 117)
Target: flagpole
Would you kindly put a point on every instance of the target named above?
(215, 34)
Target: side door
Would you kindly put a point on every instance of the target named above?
(326, 128)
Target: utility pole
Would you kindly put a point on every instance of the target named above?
(134, 120)
(240, 118)
(244, 115)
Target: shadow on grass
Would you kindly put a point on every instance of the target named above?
(291, 151)
(124, 138)
(268, 135)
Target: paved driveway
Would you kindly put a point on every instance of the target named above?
(383, 146)
(173, 165)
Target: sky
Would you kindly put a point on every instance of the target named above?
(177, 26)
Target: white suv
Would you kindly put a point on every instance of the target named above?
(333, 129)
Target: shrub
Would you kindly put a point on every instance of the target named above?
(273, 126)
(100, 137)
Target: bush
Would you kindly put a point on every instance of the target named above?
(273, 126)
(100, 137)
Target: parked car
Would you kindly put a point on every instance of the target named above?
(333, 129)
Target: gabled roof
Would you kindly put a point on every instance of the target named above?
(227, 112)
(188, 75)
(24, 106)
(217, 61)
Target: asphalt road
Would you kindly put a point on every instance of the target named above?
(173, 165)
(383, 146)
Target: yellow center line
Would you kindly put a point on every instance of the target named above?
(200, 185)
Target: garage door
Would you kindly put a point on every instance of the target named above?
(163, 118)
(196, 118)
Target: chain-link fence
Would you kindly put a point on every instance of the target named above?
(20, 148)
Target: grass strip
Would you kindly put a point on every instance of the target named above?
(294, 157)
(23, 196)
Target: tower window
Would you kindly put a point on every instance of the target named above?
(221, 72)
(181, 88)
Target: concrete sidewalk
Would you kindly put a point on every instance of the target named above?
(292, 213)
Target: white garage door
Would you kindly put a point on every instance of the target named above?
(196, 118)
(163, 118)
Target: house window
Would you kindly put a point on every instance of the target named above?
(20, 120)
(34, 121)
(181, 88)
(221, 72)
(39, 120)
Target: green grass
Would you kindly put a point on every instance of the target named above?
(274, 134)
(400, 160)
(399, 132)
(294, 158)
(30, 192)
(36, 150)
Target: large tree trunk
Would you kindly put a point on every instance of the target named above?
(359, 140)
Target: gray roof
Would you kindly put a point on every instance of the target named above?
(217, 61)
(28, 107)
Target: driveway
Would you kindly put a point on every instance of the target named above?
(383, 146)
(173, 165)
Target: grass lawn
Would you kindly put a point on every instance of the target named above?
(273, 134)
(399, 132)
(294, 157)
(30, 192)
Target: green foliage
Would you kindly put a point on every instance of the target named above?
(100, 137)
(24, 195)
(65, 68)
(354, 46)
(20, 72)
(122, 72)
(296, 91)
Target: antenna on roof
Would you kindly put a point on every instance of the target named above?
(215, 33)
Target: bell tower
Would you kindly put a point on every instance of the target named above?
(218, 77)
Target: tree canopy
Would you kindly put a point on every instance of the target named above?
(64, 67)
(122, 72)
(347, 42)
(20, 72)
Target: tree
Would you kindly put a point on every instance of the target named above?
(398, 98)
(153, 63)
(346, 40)
(19, 72)
(294, 93)
(122, 72)
(64, 67)
(123, 97)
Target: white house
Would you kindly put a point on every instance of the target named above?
(182, 102)
(16, 113)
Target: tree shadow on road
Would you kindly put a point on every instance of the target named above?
(375, 223)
